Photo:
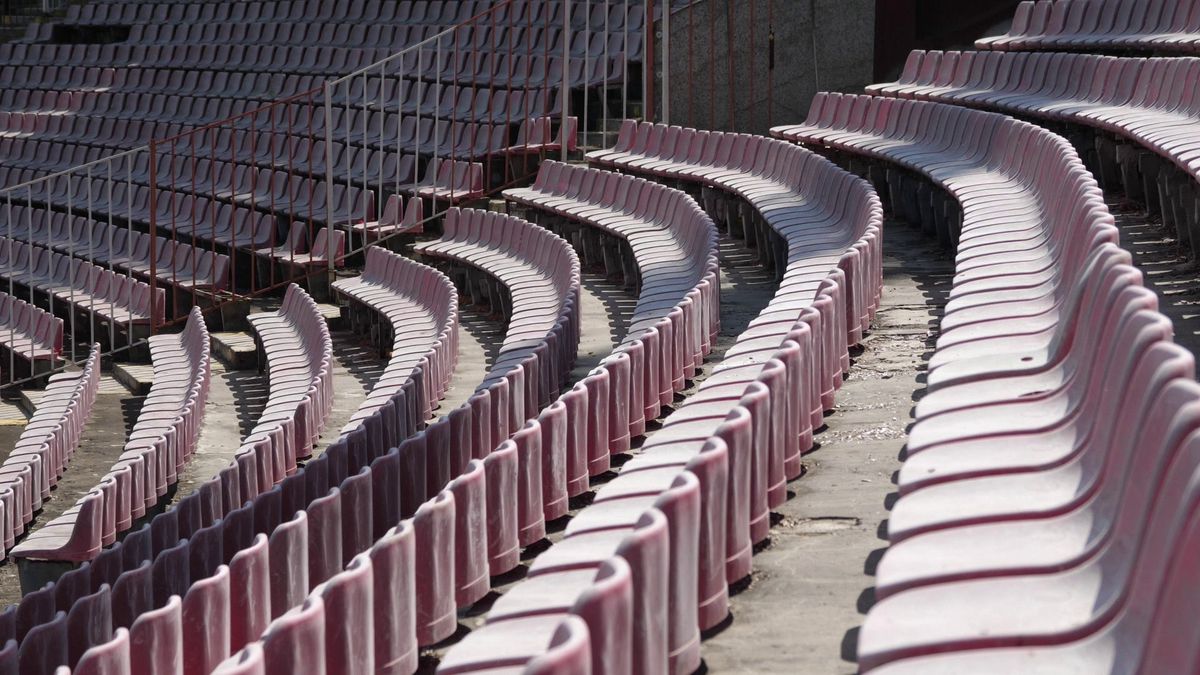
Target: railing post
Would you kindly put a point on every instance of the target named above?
(565, 85)
(329, 177)
(666, 63)
(153, 240)
(648, 65)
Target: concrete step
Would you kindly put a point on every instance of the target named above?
(235, 349)
(29, 399)
(596, 140)
(136, 377)
(13, 413)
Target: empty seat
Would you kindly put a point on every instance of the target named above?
(699, 492)
(159, 445)
(1098, 25)
(46, 445)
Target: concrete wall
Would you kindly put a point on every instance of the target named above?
(700, 75)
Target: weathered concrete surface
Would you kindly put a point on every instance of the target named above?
(235, 400)
(12, 423)
(1165, 267)
(605, 309)
(479, 341)
(820, 45)
(813, 582)
(103, 440)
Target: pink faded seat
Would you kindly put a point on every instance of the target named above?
(557, 644)
(159, 445)
(451, 181)
(420, 309)
(674, 247)
(111, 658)
(1119, 96)
(1101, 25)
(298, 252)
(1043, 496)
(299, 363)
(396, 218)
(708, 476)
(113, 298)
(46, 445)
(29, 332)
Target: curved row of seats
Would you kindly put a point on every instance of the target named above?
(114, 299)
(419, 12)
(307, 549)
(1047, 516)
(1120, 96)
(1171, 26)
(487, 513)
(29, 334)
(120, 248)
(540, 277)
(295, 346)
(46, 446)
(419, 331)
(204, 549)
(527, 69)
(326, 47)
(647, 565)
(159, 445)
(458, 529)
(672, 244)
(716, 161)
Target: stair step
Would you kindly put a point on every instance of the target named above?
(331, 313)
(18, 412)
(235, 349)
(136, 377)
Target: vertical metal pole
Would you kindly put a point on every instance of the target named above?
(648, 63)
(770, 62)
(712, 68)
(566, 72)
(691, 47)
(750, 59)
(437, 121)
(70, 251)
(625, 66)
(666, 63)
(382, 145)
(153, 240)
(604, 88)
(329, 173)
(732, 70)
(587, 49)
(11, 271)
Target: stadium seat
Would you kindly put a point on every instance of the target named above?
(161, 442)
(1163, 26)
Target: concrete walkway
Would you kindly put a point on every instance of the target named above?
(812, 583)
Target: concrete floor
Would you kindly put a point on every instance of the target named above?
(812, 583)
(103, 440)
